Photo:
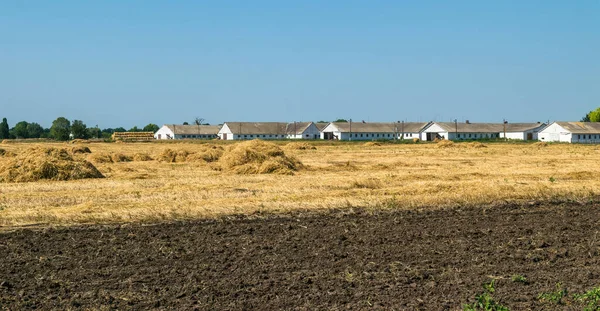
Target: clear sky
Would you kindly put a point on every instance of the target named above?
(125, 63)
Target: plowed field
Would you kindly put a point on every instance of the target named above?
(334, 260)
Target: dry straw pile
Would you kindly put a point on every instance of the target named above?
(258, 157)
(209, 153)
(300, 146)
(372, 144)
(173, 156)
(476, 145)
(445, 144)
(141, 157)
(80, 149)
(46, 163)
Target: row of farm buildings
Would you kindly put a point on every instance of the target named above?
(572, 132)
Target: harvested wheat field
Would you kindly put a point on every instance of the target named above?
(161, 181)
(297, 226)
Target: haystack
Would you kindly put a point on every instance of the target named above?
(141, 157)
(80, 149)
(100, 158)
(171, 156)
(300, 146)
(46, 163)
(416, 140)
(476, 145)
(372, 144)
(119, 157)
(79, 141)
(445, 144)
(207, 154)
(258, 157)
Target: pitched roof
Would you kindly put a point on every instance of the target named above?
(487, 127)
(581, 127)
(178, 129)
(321, 125)
(279, 128)
(379, 127)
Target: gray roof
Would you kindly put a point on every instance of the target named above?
(178, 129)
(488, 127)
(380, 127)
(279, 128)
(321, 125)
(581, 127)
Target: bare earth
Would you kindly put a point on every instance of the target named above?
(383, 259)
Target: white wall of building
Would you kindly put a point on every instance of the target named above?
(555, 133)
(164, 133)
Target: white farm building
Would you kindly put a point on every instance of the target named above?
(268, 130)
(176, 131)
(571, 132)
(372, 131)
(474, 131)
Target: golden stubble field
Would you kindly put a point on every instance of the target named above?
(335, 175)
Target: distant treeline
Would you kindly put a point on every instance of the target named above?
(63, 129)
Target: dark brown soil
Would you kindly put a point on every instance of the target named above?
(339, 260)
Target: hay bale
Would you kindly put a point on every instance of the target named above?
(48, 164)
(372, 144)
(207, 154)
(141, 157)
(445, 144)
(258, 157)
(80, 150)
(476, 145)
(172, 156)
(101, 158)
(119, 157)
(300, 146)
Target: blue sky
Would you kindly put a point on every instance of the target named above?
(125, 63)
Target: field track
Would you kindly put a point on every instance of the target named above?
(336, 260)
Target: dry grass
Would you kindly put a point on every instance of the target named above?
(336, 175)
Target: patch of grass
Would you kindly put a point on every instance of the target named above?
(552, 179)
(591, 299)
(485, 301)
(554, 297)
(517, 278)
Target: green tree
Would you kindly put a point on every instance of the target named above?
(4, 129)
(595, 115)
(94, 132)
(79, 130)
(61, 128)
(151, 128)
(119, 129)
(20, 130)
(34, 130)
(134, 129)
(341, 120)
(185, 123)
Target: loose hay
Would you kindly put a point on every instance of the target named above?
(172, 156)
(416, 140)
(101, 158)
(540, 144)
(372, 144)
(79, 141)
(119, 157)
(208, 154)
(46, 163)
(80, 149)
(141, 157)
(476, 145)
(300, 146)
(258, 157)
(2, 152)
(445, 144)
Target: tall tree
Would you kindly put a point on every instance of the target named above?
(595, 115)
(34, 130)
(20, 130)
(61, 128)
(4, 129)
(151, 128)
(79, 130)
(134, 129)
(198, 121)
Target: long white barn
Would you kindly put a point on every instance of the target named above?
(268, 130)
(571, 132)
(176, 131)
(372, 131)
(475, 131)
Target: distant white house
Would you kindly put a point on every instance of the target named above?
(268, 130)
(372, 131)
(571, 132)
(475, 131)
(176, 131)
